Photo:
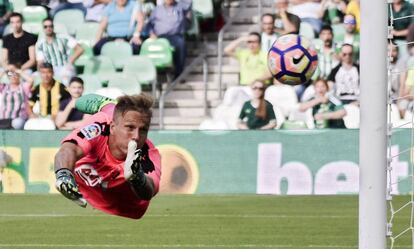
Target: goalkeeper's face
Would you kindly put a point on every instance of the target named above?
(132, 125)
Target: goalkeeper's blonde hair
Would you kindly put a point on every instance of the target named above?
(141, 103)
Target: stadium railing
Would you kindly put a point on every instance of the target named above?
(202, 58)
(220, 44)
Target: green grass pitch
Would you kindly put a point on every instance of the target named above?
(188, 221)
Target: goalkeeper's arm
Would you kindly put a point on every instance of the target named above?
(65, 161)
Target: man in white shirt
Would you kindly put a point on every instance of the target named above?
(268, 32)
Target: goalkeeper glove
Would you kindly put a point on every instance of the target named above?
(66, 185)
(133, 171)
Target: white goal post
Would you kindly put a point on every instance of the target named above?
(373, 125)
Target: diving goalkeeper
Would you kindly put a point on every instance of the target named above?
(109, 162)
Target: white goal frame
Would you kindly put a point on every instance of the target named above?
(373, 125)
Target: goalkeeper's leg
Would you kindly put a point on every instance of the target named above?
(92, 103)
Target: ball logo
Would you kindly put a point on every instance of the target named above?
(292, 59)
(179, 170)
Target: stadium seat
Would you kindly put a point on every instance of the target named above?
(92, 83)
(293, 125)
(86, 56)
(194, 29)
(159, 51)
(110, 92)
(34, 14)
(71, 18)
(60, 28)
(87, 32)
(282, 96)
(306, 30)
(351, 119)
(33, 27)
(118, 52)
(39, 124)
(18, 5)
(142, 68)
(203, 8)
(101, 65)
(7, 30)
(127, 83)
(339, 31)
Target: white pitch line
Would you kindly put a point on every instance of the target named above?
(248, 216)
(177, 246)
(145, 246)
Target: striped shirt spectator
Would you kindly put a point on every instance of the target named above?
(14, 98)
(56, 50)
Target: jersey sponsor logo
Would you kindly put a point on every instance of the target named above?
(91, 131)
(89, 175)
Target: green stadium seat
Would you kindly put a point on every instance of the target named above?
(87, 32)
(294, 125)
(306, 30)
(127, 83)
(203, 8)
(100, 65)
(159, 51)
(60, 28)
(194, 30)
(118, 51)
(86, 56)
(92, 82)
(71, 18)
(142, 69)
(339, 31)
(18, 5)
(34, 14)
(33, 27)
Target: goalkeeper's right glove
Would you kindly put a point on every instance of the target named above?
(66, 185)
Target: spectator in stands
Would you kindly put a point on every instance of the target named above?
(402, 8)
(68, 116)
(257, 113)
(57, 50)
(5, 12)
(327, 110)
(406, 88)
(345, 77)
(68, 4)
(396, 66)
(169, 21)
(19, 46)
(268, 32)
(327, 58)
(308, 11)
(332, 11)
(122, 20)
(351, 36)
(285, 22)
(14, 98)
(353, 8)
(49, 93)
(252, 61)
(95, 9)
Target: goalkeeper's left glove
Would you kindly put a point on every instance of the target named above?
(66, 185)
(133, 171)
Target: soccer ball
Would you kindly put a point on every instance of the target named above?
(292, 59)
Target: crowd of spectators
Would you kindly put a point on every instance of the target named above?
(39, 80)
(335, 28)
(40, 68)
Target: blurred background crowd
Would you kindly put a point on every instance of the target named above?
(55, 51)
